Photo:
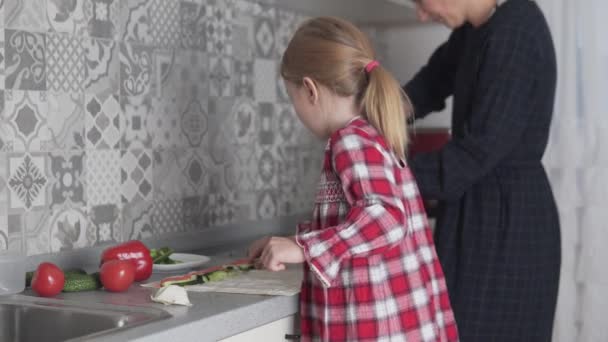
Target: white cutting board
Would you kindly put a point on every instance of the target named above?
(282, 283)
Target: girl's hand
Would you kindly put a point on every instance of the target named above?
(280, 251)
(256, 248)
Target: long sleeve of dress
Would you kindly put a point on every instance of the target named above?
(504, 103)
(434, 83)
(374, 222)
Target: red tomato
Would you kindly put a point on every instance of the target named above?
(48, 280)
(117, 275)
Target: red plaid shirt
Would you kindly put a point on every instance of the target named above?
(372, 273)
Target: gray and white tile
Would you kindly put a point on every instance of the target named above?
(264, 37)
(196, 169)
(25, 62)
(286, 25)
(219, 21)
(102, 121)
(25, 121)
(3, 201)
(65, 63)
(70, 229)
(221, 76)
(192, 209)
(16, 234)
(3, 232)
(67, 16)
(137, 113)
(287, 125)
(103, 177)
(2, 54)
(193, 26)
(135, 22)
(28, 15)
(101, 66)
(165, 22)
(27, 182)
(218, 210)
(267, 206)
(265, 76)
(221, 134)
(268, 169)
(169, 178)
(168, 216)
(194, 122)
(136, 69)
(244, 78)
(103, 18)
(165, 123)
(67, 179)
(243, 45)
(137, 220)
(107, 223)
(267, 125)
(257, 9)
(188, 77)
(31, 233)
(137, 175)
(67, 122)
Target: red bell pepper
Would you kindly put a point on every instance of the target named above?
(136, 252)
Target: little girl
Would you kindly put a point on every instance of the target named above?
(370, 268)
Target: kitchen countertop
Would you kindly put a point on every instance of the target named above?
(212, 316)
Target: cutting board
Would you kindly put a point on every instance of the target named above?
(262, 282)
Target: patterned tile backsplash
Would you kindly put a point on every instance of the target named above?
(127, 119)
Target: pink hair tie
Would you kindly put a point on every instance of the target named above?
(371, 66)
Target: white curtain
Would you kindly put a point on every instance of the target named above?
(578, 166)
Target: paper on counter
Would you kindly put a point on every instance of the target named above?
(172, 295)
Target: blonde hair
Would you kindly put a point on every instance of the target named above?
(334, 53)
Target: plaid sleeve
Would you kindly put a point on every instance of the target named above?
(374, 222)
(505, 102)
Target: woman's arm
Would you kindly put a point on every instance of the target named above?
(434, 83)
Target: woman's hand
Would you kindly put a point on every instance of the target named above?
(279, 251)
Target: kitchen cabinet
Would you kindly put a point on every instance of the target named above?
(369, 12)
(272, 332)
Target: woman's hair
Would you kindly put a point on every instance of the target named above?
(335, 53)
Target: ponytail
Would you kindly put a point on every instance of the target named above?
(383, 102)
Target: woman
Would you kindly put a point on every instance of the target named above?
(497, 232)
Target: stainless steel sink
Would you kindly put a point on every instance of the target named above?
(24, 319)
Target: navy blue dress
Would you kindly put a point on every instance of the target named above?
(497, 233)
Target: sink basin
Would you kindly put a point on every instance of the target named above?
(24, 319)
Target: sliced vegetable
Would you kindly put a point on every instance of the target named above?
(188, 279)
(211, 274)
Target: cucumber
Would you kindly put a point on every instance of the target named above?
(74, 270)
(28, 278)
(78, 282)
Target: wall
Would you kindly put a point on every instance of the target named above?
(137, 118)
(405, 50)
